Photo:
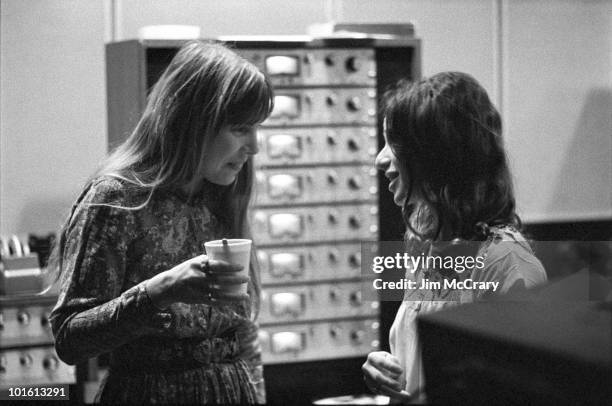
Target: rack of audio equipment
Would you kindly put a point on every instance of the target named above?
(27, 354)
(317, 194)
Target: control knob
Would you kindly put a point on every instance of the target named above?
(44, 320)
(333, 294)
(331, 139)
(334, 332)
(332, 257)
(353, 104)
(355, 260)
(355, 298)
(352, 64)
(354, 222)
(23, 318)
(357, 336)
(352, 145)
(354, 183)
(331, 100)
(50, 362)
(25, 360)
(332, 178)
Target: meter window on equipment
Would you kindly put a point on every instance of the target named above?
(286, 263)
(280, 145)
(278, 65)
(285, 224)
(286, 106)
(287, 341)
(284, 185)
(287, 303)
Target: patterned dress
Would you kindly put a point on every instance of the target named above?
(187, 353)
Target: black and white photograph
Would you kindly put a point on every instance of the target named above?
(306, 202)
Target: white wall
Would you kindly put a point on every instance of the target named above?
(227, 17)
(558, 106)
(457, 34)
(547, 64)
(53, 108)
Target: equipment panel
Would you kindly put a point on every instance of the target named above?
(316, 198)
(323, 106)
(27, 354)
(315, 302)
(316, 146)
(33, 366)
(282, 186)
(324, 223)
(25, 324)
(300, 264)
(316, 67)
(319, 340)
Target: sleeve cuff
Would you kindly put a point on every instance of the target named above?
(145, 311)
(145, 292)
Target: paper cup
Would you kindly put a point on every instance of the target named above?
(237, 251)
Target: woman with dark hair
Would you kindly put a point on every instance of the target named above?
(448, 171)
(134, 281)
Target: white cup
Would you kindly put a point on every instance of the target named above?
(236, 252)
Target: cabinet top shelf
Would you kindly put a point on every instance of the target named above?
(291, 41)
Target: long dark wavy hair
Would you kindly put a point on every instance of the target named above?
(447, 134)
(205, 87)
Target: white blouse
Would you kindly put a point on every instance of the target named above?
(508, 259)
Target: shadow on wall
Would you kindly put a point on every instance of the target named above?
(43, 216)
(563, 258)
(587, 169)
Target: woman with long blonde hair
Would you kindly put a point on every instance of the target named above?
(134, 280)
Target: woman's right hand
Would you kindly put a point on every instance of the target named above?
(197, 280)
(382, 372)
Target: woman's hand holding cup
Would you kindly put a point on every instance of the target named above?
(198, 280)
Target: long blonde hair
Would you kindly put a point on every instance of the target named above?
(205, 87)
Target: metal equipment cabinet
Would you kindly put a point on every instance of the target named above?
(27, 355)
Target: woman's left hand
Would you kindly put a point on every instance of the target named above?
(382, 372)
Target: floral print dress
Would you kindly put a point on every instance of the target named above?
(187, 353)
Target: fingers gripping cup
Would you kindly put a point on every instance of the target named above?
(235, 251)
